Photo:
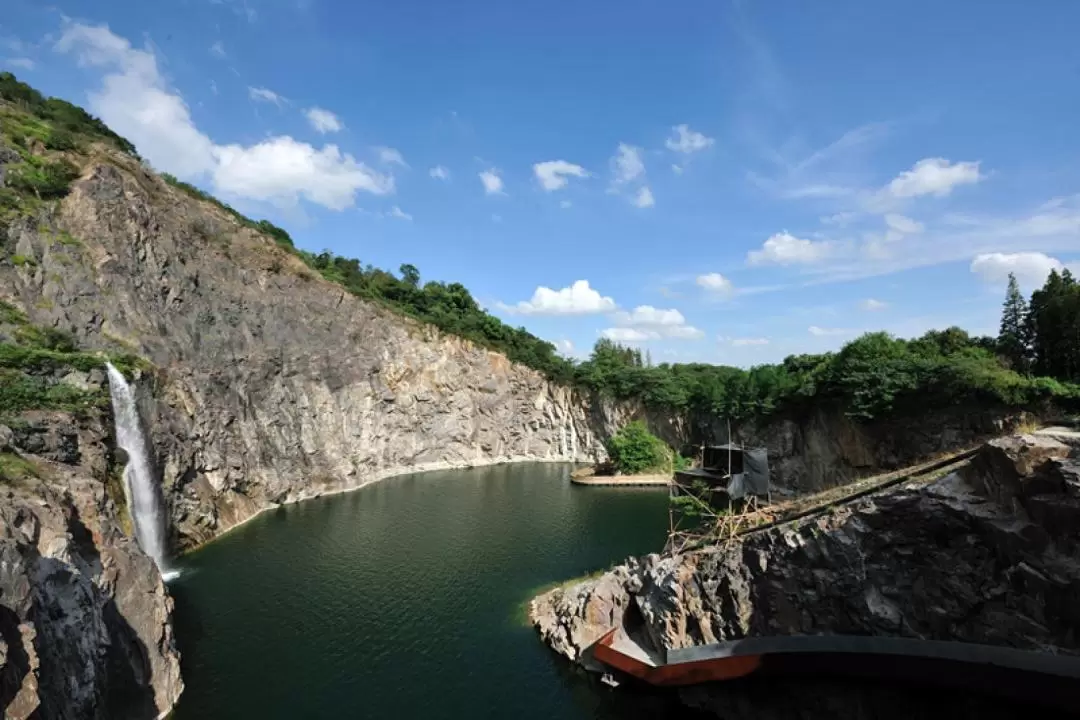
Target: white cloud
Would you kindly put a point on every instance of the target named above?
(396, 212)
(323, 121)
(903, 225)
(565, 204)
(714, 282)
(564, 346)
(648, 315)
(578, 299)
(20, 62)
(1030, 268)
(213, 87)
(439, 172)
(644, 198)
(784, 248)
(136, 102)
(627, 164)
(390, 156)
(824, 332)
(687, 141)
(870, 304)
(218, 49)
(265, 95)
(744, 342)
(676, 168)
(934, 176)
(282, 170)
(555, 174)
(493, 184)
(628, 335)
(654, 323)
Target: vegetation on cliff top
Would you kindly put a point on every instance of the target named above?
(1034, 359)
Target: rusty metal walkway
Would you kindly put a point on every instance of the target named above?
(1044, 678)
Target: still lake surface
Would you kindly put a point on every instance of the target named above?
(405, 599)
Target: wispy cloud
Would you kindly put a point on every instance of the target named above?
(323, 121)
(492, 182)
(23, 63)
(554, 174)
(259, 94)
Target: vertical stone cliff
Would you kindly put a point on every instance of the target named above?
(273, 385)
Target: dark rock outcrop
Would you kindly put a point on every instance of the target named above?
(85, 627)
(984, 555)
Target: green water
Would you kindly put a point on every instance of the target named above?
(405, 600)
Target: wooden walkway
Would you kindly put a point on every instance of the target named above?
(1034, 677)
(622, 480)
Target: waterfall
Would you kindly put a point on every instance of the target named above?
(143, 499)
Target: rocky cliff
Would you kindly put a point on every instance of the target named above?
(987, 554)
(273, 384)
(85, 627)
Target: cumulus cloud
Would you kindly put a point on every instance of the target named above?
(493, 184)
(135, 101)
(783, 248)
(578, 299)
(555, 174)
(564, 346)
(396, 212)
(282, 170)
(323, 121)
(687, 141)
(439, 172)
(265, 95)
(644, 198)
(653, 323)
(627, 164)
(934, 176)
(1030, 268)
(870, 304)
(714, 282)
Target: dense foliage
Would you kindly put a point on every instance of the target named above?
(64, 121)
(1051, 328)
(634, 450)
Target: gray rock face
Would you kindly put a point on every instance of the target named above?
(275, 385)
(987, 555)
(85, 627)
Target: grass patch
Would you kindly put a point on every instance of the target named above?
(20, 392)
(11, 314)
(15, 470)
(23, 261)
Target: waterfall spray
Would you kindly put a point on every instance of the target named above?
(143, 499)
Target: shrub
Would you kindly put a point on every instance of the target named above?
(634, 450)
(46, 180)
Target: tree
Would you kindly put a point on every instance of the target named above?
(634, 450)
(1013, 335)
(410, 275)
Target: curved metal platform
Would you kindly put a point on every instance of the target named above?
(1041, 678)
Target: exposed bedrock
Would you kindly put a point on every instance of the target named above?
(986, 555)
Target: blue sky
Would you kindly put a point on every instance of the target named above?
(718, 181)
